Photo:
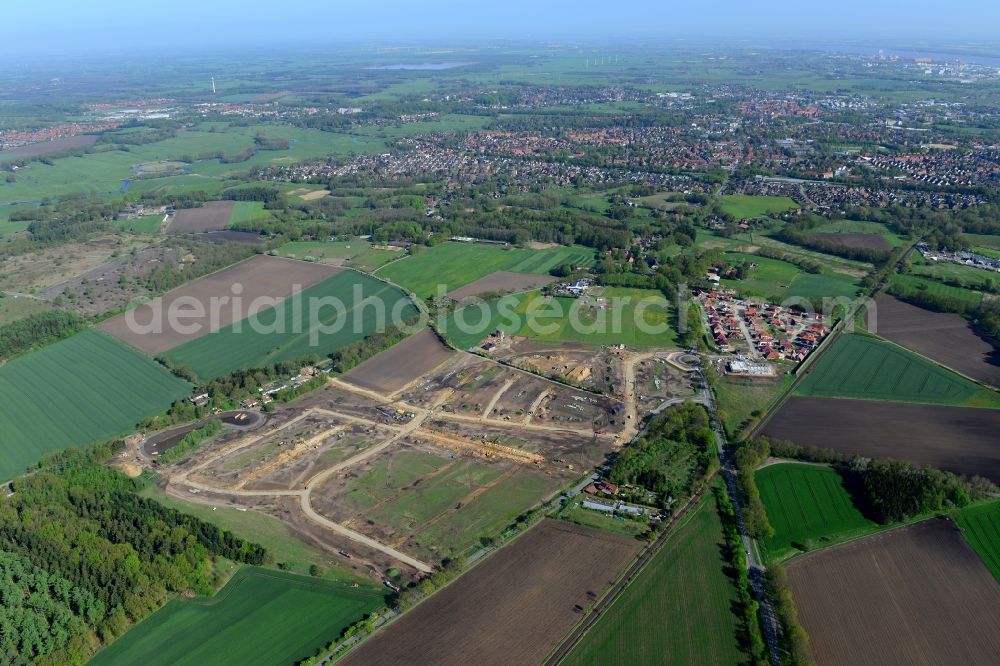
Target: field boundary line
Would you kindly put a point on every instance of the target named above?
(627, 577)
(394, 616)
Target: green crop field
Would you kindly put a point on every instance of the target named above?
(747, 205)
(915, 283)
(808, 506)
(863, 366)
(981, 526)
(642, 319)
(260, 617)
(356, 253)
(456, 264)
(284, 331)
(678, 610)
(87, 388)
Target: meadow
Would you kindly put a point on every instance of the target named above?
(980, 524)
(248, 211)
(775, 280)
(808, 506)
(295, 555)
(456, 264)
(102, 171)
(916, 283)
(87, 388)
(356, 253)
(284, 331)
(747, 205)
(261, 616)
(678, 610)
(858, 227)
(866, 367)
(968, 276)
(620, 320)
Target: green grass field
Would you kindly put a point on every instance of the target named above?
(282, 336)
(13, 308)
(739, 399)
(248, 211)
(87, 388)
(456, 264)
(678, 610)
(260, 617)
(640, 318)
(776, 280)
(990, 242)
(146, 226)
(862, 366)
(422, 519)
(981, 526)
(915, 283)
(574, 512)
(968, 276)
(808, 507)
(286, 546)
(747, 205)
(356, 253)
(102, 171)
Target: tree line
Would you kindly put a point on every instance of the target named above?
(37, 330)
(110, 557)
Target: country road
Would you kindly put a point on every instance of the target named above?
(769, 618)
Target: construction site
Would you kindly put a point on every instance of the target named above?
(418, 471)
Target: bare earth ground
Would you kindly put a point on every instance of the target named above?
(963, 440)
(213, 216)
(36, 271)
(914, 595)
(579, 364)
(502, 282)
(855, 240)
(511, 609)
(262, 277)
(401, 364)
(946, 338)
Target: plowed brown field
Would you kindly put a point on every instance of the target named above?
(513, 608)
(914, 595)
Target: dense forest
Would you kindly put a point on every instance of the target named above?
(86, 557)
(675, 454)
(37, 330)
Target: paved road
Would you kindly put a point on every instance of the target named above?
(757, 570)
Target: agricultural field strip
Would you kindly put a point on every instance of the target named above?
(874, 368)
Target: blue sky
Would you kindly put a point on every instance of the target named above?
(41, 26)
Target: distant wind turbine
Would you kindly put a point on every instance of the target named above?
(213, 85)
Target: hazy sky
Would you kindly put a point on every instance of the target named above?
(40, 26)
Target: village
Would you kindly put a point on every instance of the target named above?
(759, 333)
